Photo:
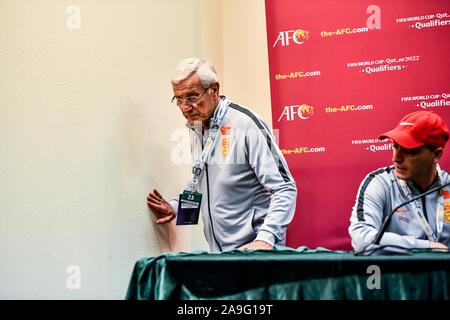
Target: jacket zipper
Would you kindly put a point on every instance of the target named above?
(209, 203)
(209, 209)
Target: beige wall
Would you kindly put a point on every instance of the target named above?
(245, 59)
(86, 129)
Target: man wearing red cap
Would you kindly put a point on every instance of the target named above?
(418, 144)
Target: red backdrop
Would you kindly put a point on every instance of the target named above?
(341, 73)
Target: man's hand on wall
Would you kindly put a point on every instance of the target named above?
(161, 208)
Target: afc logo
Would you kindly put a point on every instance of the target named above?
(303, 111)
(299, 36)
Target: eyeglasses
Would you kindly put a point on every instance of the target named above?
(190, 99)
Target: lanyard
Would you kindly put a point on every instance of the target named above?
(216, 124)
(423, 221)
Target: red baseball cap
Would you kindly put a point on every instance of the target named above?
(419, 128)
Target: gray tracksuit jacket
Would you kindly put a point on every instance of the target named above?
(380, 192)
(248, 191)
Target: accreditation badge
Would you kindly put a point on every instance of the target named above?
(188, 207)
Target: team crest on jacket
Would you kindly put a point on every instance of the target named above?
(447, 216)
(446, 194)
(447, 211)
(225, 142)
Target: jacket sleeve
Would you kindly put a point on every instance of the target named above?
(174, 204)
(272, 171)
(371, 206)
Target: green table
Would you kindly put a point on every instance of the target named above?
(291, 274)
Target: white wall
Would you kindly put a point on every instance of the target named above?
(86, 127)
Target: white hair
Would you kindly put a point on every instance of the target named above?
(189, 66)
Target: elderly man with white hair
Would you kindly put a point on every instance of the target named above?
(241, 183)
